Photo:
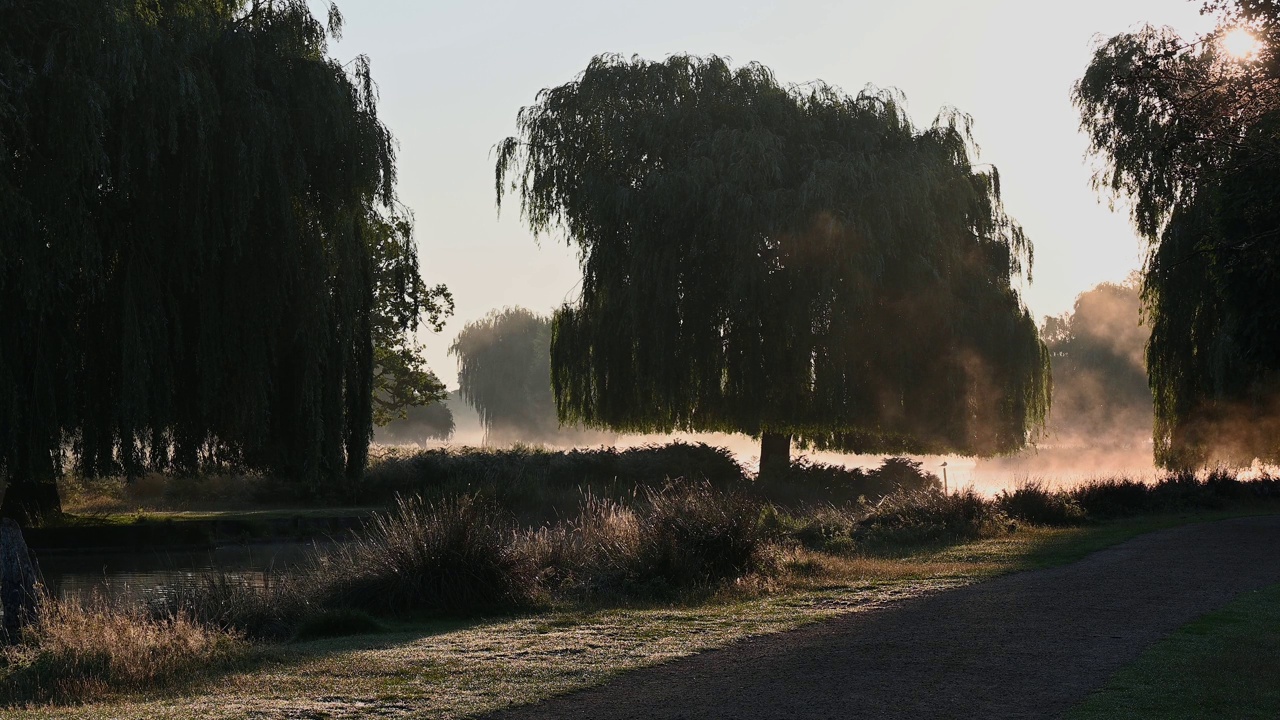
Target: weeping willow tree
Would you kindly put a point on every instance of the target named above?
(504, 373)
(192, 196)
(1190, 134)
(783, 262)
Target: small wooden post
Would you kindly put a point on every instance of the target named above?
(19, 595)
(945, 490)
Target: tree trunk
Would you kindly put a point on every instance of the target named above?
(775, 452)
(18, 577)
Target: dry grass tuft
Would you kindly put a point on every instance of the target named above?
(85, 648)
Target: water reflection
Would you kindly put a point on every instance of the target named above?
(143, 576)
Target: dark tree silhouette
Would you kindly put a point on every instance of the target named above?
(1191, 136)
(783, 262)
(402, 383)
(193, 197)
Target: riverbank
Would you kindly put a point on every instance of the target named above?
(185, 530)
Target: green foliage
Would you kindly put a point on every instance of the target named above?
(1100, 389)
(202, 262)
(401, 380)
(504, 372)
(1191, 137)
(765, 259)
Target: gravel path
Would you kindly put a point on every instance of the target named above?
(1028, 645)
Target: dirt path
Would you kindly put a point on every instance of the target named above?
(1028, 645)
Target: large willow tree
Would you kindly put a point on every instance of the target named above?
(784, 262)
(191, 194)
(1190, 135)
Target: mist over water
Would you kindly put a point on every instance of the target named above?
(1057, 468)
(1099, 426)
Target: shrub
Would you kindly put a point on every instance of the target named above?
(693, 536)
(826, 528)
(1113, 497)
(453, 556)
(542, 485)
(594, 555)
(914, 516)
(1185, 491)
(682, 537)
(899, 473)
(808, 482)
(82, 648)
(1033, 502)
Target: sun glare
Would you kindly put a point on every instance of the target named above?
(1240, 44)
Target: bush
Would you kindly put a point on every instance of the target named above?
(680, 538)
(826, 528)
(1034, 503)
(541, 485)
(812, 483)
(915, 516)
(79, 649)
(899, 473)
(454, 556)
(693, 536)
(1113, 497)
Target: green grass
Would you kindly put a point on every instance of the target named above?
(1223, 665)
(462, 668)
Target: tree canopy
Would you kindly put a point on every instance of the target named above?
(1189, 135)
(200, 235)
(402, 383)
(777, 260)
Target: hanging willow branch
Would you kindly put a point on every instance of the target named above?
(200, 240)
(758, 258)
(1191, 138)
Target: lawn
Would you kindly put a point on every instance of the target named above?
(1223, 665)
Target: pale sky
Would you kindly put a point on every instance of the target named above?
(453, 74)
